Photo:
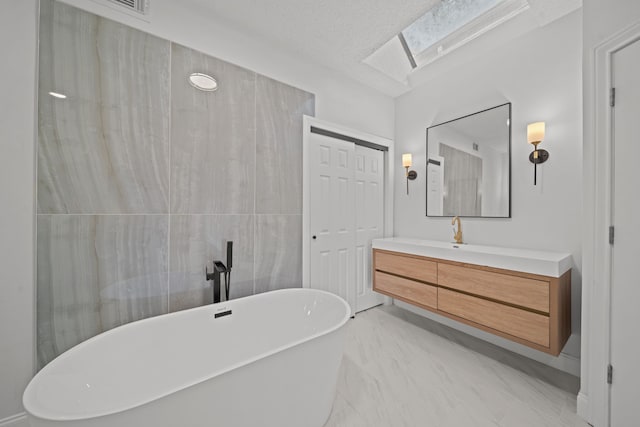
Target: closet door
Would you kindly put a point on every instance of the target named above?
(625, 282)
(369, 209)
(332, 216)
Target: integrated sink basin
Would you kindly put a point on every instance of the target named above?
(545, 263)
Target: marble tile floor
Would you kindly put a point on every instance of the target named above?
(400, 369)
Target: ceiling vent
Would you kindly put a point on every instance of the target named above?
(138, 6)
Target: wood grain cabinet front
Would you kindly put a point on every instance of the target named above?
(520, 291)
(406, 266)
(530, 309)
(410, 291)
(519, 323)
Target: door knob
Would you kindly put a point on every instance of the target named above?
(314, 237)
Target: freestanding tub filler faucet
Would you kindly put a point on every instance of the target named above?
(220, 269)
(457, 234)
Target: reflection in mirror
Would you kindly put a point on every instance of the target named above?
(468, 165)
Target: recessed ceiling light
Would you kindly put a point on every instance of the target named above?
(203, 82)
(58, 95)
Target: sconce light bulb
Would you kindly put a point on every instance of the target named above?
(406, 160)
(535, 133)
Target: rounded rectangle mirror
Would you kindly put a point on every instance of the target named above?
(469, 165)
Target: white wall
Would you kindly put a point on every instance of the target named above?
(602, 20)
(17, 161)
(338, 100)
(540, 74)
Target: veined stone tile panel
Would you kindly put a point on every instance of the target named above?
(279, 111)
(105, 148)
(278, 252)
(213, 137)
(197, 240)
(96, 273)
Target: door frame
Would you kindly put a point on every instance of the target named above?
(308, 122)
(594, 396)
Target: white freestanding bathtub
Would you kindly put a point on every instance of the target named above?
(270, 359)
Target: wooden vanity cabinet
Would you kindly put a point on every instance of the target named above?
(530, 309)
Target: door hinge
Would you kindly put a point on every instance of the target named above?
(612, 97)
(611, 234)
(609, 374)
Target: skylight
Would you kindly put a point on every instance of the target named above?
(447, 26)
(452, 23)
(444, 19)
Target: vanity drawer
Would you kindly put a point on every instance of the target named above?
(520, 291)
(405, 289)
(523, 324)
(415, 268)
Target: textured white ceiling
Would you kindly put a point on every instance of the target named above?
(340, 34)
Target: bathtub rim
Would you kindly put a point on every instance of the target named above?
(38, 413)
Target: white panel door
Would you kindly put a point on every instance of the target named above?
(369, 207)
(332, 216)
(625, 280)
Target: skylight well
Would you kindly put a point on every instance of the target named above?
(445, 27)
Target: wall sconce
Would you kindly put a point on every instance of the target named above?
(406, 163)
(535, 135)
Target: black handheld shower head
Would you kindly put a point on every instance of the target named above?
(229, 254)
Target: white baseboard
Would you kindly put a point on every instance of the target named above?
(18, 420)
(564, 362)
(583, 407)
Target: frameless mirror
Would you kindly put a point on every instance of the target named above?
(469, 165)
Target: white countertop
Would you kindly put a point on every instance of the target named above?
(545, 263)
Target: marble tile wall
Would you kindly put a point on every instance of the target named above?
(105, 148)
(278, 252)
(213, 137)
(278, 111)
(142, 179)
(96, 272)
